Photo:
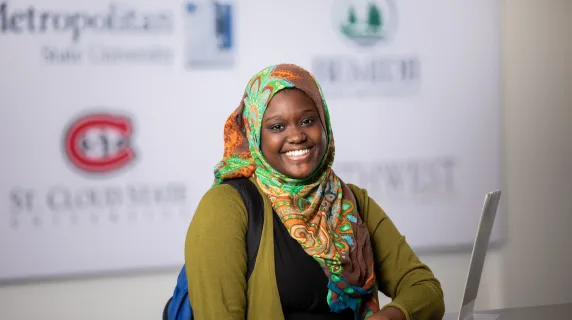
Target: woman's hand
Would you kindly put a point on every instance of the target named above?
(389, 313)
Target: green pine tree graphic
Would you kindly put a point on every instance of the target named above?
(352, 19)
(365, 27)
(374, 18)
(348, 27)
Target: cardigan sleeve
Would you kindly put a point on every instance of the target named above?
(215, 256)
(400, 274)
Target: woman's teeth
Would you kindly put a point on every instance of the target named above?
(297, 153)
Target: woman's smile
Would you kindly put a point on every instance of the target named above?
(298, 155)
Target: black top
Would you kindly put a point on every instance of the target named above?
(302, 284)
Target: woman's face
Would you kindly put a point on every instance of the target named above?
(293, 140)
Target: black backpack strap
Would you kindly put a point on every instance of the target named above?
(166, 309)
(255, 208)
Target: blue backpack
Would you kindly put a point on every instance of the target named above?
(178, 307)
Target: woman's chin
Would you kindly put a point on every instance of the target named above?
(299, 173)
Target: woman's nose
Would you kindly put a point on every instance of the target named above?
(296, 136)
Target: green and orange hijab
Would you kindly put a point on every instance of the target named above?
(320, 211)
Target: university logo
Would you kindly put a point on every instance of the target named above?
(366, 22)
(99, 142)
(98, 35)
(209, 37)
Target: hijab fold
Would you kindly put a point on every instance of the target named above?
(319, 212)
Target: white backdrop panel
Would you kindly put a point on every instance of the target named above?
(412, 86)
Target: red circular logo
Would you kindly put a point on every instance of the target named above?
(99, 142)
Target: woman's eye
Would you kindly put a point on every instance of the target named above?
(307, 121)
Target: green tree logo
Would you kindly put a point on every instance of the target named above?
(366, 21)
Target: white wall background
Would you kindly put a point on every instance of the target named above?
(532, 268)
(432, 101)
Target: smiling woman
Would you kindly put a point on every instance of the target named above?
(293, 139)
(326, 248)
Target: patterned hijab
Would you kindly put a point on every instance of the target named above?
(320, 211)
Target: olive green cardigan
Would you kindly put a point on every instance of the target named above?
(215, 257)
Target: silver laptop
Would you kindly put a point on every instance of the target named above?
(478, 259)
